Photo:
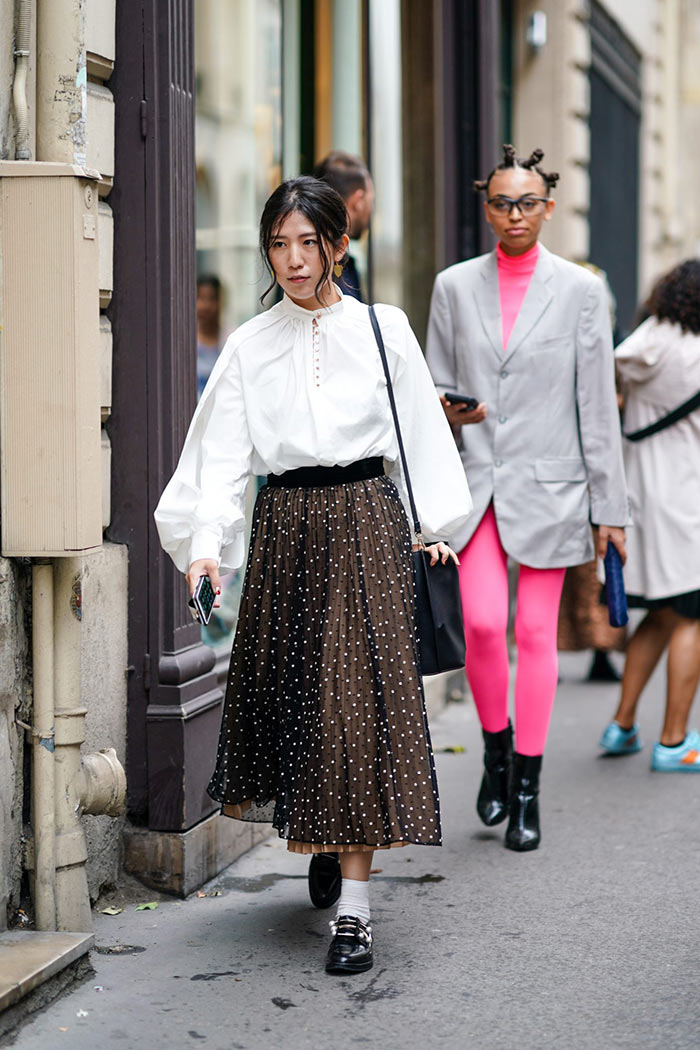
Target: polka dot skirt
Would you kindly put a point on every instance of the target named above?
(324, 731)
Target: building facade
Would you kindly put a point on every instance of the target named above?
(182, 118)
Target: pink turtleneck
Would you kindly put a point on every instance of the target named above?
(514, 276)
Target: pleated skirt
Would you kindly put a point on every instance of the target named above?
(324, 730)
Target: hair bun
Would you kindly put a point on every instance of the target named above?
(511, 160)
(509, 155)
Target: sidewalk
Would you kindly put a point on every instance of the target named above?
(589, 942)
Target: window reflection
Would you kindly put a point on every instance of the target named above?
(238, 156)
(238, 142)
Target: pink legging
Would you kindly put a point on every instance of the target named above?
(483, 576)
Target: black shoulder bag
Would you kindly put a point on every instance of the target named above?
(439, 623)
(666, 421)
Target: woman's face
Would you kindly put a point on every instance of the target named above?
(297, 264)
(517, 228)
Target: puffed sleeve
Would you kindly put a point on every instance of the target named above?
(439, 483)
(201, 513)
(599, 418)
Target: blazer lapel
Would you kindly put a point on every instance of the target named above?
(537, 298)
(488, 303)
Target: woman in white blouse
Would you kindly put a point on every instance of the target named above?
(324, 731)
(659, 369)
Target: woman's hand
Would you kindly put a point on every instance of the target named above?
(438, 550)
(204, 567)
(457, 417)
(611, 534)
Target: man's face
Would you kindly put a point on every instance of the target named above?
(207, 305)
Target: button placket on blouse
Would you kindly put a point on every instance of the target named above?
(316, 348)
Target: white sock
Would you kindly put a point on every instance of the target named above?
(354, 899)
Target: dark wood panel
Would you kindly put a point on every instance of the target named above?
(616, 92)
(171, 679)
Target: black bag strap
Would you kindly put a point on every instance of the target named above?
(402, 452)
(666, 421)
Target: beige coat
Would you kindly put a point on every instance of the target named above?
(659, 369)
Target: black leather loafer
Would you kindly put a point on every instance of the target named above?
(324, 879)
(351, 947)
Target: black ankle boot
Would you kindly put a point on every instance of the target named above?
(492, 802)
(523, 832)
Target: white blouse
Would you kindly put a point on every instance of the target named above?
(659, 368)
(296, 388)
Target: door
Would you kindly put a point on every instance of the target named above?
(615, 78)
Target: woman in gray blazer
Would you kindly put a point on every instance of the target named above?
(528, 334)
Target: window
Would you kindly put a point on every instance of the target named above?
(238, 143)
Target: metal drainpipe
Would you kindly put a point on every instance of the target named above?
(94, 783)
(43, 748)
(91, 784)
(61, 81)
(19, 87)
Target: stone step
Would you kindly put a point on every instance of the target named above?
(28, 959)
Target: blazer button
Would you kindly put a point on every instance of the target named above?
(502, 419)
(498, 462)
(504, 374)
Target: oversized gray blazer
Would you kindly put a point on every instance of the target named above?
(549, 452)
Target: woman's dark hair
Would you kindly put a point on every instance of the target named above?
(676, 297)
(512, 160)
(322, 206)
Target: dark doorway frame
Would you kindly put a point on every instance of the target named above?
(174, 703)
(452, 130)
(615, 124)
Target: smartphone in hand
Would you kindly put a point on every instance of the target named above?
(467, 404)
(202, 601)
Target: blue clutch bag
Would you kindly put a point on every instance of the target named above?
(615, 588)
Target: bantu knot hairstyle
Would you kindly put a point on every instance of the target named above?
(512, 160)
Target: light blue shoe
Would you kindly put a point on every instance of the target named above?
(682, 759)
(618, 741)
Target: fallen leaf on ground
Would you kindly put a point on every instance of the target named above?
(151, 906)
(209, 893)
(112, 910)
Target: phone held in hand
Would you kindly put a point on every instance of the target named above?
(202, 601)
(468, 404)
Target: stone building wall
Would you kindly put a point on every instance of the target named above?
(86, 30)
(552, 106)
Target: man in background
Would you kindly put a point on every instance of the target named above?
(350, 177)
(209, 336)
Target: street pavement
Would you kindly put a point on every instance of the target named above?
(589, 942)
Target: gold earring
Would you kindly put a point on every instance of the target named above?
(338, 269)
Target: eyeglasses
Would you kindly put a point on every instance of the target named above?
(526, 205)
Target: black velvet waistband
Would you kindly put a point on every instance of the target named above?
(312, 477)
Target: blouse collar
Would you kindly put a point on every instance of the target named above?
(293, 310)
